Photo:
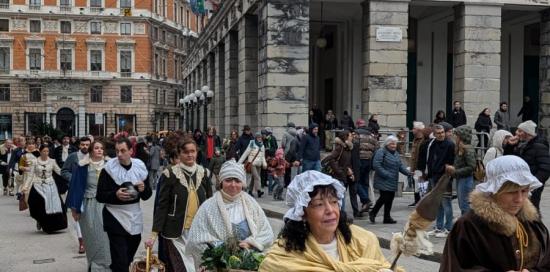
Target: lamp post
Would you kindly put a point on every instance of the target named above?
(206, 96)
(182, 110)
(194, 104)
(198, 102)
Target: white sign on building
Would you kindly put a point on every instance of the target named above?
(389, 34)
(99, 118)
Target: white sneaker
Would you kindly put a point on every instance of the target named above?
(433, 232)
(442, 234)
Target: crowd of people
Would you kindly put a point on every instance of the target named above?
(206, 189)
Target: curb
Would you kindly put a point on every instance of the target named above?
(384, 243)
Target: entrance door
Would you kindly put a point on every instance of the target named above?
(66, 121)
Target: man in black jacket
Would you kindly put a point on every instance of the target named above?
(243, 141)
(534, 150)
(458, 117)
(62, 152)
(310, 149)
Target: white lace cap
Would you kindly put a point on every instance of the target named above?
(507, 168)
(297, 194)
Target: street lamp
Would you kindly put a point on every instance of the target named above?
(206, 96)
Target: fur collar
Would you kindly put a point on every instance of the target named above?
(347, 144)
(498, 220)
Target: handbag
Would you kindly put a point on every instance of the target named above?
(325, 164)
(150, 263)
(248, 165)
(22, 203)
(479, 171)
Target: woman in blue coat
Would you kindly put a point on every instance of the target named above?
(387, 165)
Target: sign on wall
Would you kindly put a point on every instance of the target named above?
(389, 34)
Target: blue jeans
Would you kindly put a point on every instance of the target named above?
(464, 187)
(311, 165)
(270, 183)
(445, 212)
(363, 184)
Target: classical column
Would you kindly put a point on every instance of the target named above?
(248, 71)
(219, 90)
(231, 81)
(283, 64)
(385, 45)
(477, 47)
(544, 73)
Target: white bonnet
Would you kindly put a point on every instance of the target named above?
(297, 194)
(232, 169)
(507, 168)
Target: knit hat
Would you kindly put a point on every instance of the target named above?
(465, 133)
(269, 130)
(507, 168)
(446, 126)
(529, 127)
(360, 123)
(232, 169)
(390, 138)
(297, 194)
(418, 125)
(291, 124)
(258, 134)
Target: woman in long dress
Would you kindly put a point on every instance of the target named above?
(44, 200)
(85, 209)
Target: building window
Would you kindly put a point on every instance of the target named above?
(155, 33)
(35, 26)
(96, 94)
(164, 97)
(126, 123)
(156, 96)
(163, 37)
(65, 27)
(125, 28)
(35, 93)
(95, 3)
(65, 3)
(95, 28)
(34, 4)
(125, 3)
(4, 92)
(96, 127)
(95, 60)
(5, 127)
(4, 60)
(5, 4)
(125, 63)
(125, 94)
(35, 59)
(4, 25)
(66, 59)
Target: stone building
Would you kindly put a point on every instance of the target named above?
(92, 66)
(270, 61)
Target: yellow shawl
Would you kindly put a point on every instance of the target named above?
(362, 254)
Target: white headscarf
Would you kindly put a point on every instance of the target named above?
(297, 194)
(507, 168)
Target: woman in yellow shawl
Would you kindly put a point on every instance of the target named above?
(316, 235)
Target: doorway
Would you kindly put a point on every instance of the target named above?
(65, 119)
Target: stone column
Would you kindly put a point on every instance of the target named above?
(477, 47)
(211, 75)
(219, 90)
(231, 81)
(385, 62)
(248, 71)
(283, 64)
(544, 74)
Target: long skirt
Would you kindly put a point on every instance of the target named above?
(49, 222)
(95, 238)
(177, 259)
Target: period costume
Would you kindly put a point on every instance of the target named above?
(82, 199)
(45, 203)
(122, 220)
(183, 190)
(488, 238)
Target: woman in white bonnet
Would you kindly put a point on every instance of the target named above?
(502, 231)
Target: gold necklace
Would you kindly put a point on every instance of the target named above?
(523, 240)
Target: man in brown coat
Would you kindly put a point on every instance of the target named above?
(419, 140)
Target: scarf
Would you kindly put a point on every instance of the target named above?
(258, 143)
(185, 175)
(227, 222)
(229, 199)
(362, 254)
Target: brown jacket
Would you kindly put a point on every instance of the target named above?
(340, 163)
(417, 143)
(484, 239)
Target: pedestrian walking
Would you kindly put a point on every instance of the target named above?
(229, 146)
(502, 231)
(502, 117)
(310, 150)
(331, 123)
(483, 125)
(339, 161)
(291, 153)
(243, 141)
(458, 116)
(212, 142)
(420, 138)
(500, 139)
(347, 121)
(44, 199)
(387, 165)
(87, 211)
(374, 126)
(255, 156)
(463, 168)
(185, 187)
(62, 152)
(122, 184)
(277, 167)
(368, 144)
(154, 161)
(5, 171)
(215, 165)
(532, 148)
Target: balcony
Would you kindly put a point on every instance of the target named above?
(90, 75)
(35, 7)
(96, 9)
(125, 74)
(65, 8)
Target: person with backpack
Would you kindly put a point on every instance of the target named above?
(368, 144)
(339, 163)
(387, 165)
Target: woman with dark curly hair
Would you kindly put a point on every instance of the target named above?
(316, 235)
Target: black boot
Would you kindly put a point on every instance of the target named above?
(260, 193)
(372, 217)
(389, 220)
(416, 199)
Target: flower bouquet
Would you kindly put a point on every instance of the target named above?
(229, 257)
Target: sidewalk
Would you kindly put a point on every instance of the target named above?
(400, 212)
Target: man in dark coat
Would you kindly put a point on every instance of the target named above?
(5, 156)
(310, 149)
(62, 152)
(243, 141)
(458, 116)
(534, 150)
